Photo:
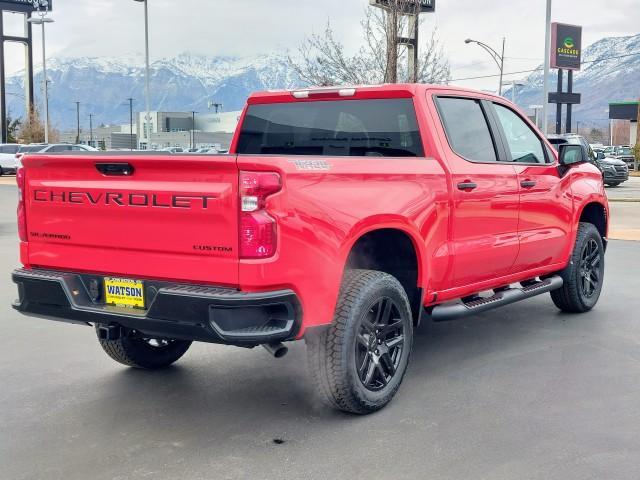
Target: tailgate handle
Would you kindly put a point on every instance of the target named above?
(115, 169)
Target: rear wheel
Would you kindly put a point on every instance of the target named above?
(584, 275)
(147, 353)
(613, 184)
(358, 363)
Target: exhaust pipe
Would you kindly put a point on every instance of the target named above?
(278, 350)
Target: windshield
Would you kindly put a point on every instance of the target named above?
(383, 128)
(624, 151)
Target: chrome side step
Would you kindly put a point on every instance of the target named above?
(451, 311)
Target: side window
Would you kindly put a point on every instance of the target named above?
(467, 128)
(524, 144)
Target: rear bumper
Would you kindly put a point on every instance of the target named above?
(187, 312)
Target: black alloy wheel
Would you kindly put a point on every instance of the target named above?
(380, 344)
(590, 268)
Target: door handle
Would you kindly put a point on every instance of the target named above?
(467, 186)
(527, 183)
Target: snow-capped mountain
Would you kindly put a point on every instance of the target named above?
(611, 72)
(188, 82)
(183, 83)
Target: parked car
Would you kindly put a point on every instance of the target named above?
(625, 153)
(615, 171)
(51, 148)
(172, 150)
(574, 139)
(8, 158)
(608, 150)
(31, 148)
(341, 216)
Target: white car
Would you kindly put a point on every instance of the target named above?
(8, 158)
(50, 148)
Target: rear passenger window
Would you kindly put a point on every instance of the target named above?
(525, 145)
(467, 128)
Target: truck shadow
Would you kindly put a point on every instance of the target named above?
(240, 391)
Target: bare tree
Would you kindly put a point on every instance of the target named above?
(32, 130)
(321, 59)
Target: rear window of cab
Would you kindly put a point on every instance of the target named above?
(355, 128)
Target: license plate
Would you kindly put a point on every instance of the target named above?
(123, 292)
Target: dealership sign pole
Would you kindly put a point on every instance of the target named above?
(25, 7)
(566, 51)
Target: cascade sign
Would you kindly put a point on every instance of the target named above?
(407, 6)
(566, 42)
(25, 5)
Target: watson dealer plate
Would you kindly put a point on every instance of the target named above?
(123, 292)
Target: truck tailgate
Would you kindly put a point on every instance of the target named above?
(171, 217)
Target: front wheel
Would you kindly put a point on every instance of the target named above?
(147, 353)
(584, 275)
(613, 184)
(358, 363)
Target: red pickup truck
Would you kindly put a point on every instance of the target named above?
(341, 216)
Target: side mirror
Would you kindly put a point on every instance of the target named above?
(572, 154)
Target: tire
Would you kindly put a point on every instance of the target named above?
(584, 275)
(149, 354)
(358, 363)
(614, 184)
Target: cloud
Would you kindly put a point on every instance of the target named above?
(247, 27)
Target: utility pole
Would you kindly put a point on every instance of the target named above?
(91, 129)
(78, 122)
(637, 146)
(395, 11)
(130, 122)
(193, 130)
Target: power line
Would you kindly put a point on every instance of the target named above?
(541, 68)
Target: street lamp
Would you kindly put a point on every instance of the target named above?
(45, 87)
(147, 122)
(499, 59)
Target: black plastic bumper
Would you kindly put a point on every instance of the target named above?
(187, 312)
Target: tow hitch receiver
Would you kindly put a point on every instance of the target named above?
(109, 332)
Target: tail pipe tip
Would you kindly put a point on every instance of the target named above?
(278, 350)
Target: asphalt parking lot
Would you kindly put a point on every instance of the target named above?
(524, 392)
(629, 190)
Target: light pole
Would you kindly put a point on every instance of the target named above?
(147, 128)
(499, 59)
(45, 87)
(547, 67)
(130, 100)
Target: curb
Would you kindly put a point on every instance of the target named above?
(624, 200)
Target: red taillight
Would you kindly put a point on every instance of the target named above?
(258, 234)
(22, 213)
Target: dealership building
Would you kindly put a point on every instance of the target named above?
(187, 129)
(626, 111)
(168, 129)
